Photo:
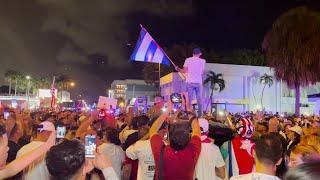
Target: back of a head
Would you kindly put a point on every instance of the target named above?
(112, 135)
(65, 159)
(142, 121)
(179, 135)
(196, 51)
(268, 149)
(305, 171)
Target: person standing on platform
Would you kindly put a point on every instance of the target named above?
(194, 68)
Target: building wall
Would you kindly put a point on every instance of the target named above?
(133, 88)
(243, 91)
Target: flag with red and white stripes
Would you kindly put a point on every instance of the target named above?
(53, 93)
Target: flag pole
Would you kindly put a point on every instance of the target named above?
(174, 65)
(159, 76)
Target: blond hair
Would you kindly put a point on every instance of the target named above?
(311, 140)
(308, 152)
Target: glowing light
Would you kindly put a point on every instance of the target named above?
(121, 104)
(221, 113)
(14, 104)
(164, 109)
(281, 115)
(258, 106)
(72, 84)
(28, 77)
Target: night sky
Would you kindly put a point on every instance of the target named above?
(91, 40)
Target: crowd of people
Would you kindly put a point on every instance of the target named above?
(160, 144)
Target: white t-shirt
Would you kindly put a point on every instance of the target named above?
(115, 154)
(37, 169)
(195, 67)
(210, 157)
(142, 151)
(254, 176)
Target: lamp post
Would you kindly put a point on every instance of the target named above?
(28, 90)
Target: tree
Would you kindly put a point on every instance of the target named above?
(248, 57)
(214, 80)
(9, 75)
(151, 72)
(266, 80)
(292, 48)
(62, 81)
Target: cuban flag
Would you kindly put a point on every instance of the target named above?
(147, 50)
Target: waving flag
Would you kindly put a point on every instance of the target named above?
(147, 50)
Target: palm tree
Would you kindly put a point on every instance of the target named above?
(13, 75)
(9, 75)
(266, 80)
(293, 50)
(62, 81)
(214, 80)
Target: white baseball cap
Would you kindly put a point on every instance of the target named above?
(46, 126)
(296, 129)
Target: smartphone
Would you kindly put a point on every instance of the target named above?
(176, 98)
(61, 132)
(6, 115)
(90, 145)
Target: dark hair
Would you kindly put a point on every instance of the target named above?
(65, 159)
(112, 135)
(2, 130)
(163, 126)
(179, 135)
(269, 149)
(142, 120)
(304, 171)
(13, 130)
(134, 123)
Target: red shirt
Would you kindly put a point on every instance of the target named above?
(134, 167)
(176, 164)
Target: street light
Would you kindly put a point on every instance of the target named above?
(28, 90)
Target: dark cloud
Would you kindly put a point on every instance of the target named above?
(85, 39)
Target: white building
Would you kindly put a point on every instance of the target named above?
(132, 88)
(243, 90)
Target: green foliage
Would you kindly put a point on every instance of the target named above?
(248, 57)
(214, 80)
(293, 47)
(266, 80)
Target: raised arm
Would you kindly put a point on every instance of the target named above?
(86, 123)
(157, 124)
(25, 160)
(195, 127)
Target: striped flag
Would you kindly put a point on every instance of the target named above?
(53, 93)
(147, 50)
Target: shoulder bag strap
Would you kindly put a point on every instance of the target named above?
(160, 172)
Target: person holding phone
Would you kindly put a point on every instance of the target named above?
(179, 158)
(67, 160)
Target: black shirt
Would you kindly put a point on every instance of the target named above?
(13, 149)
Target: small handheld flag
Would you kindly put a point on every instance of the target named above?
(147, 50)
(53, 93)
